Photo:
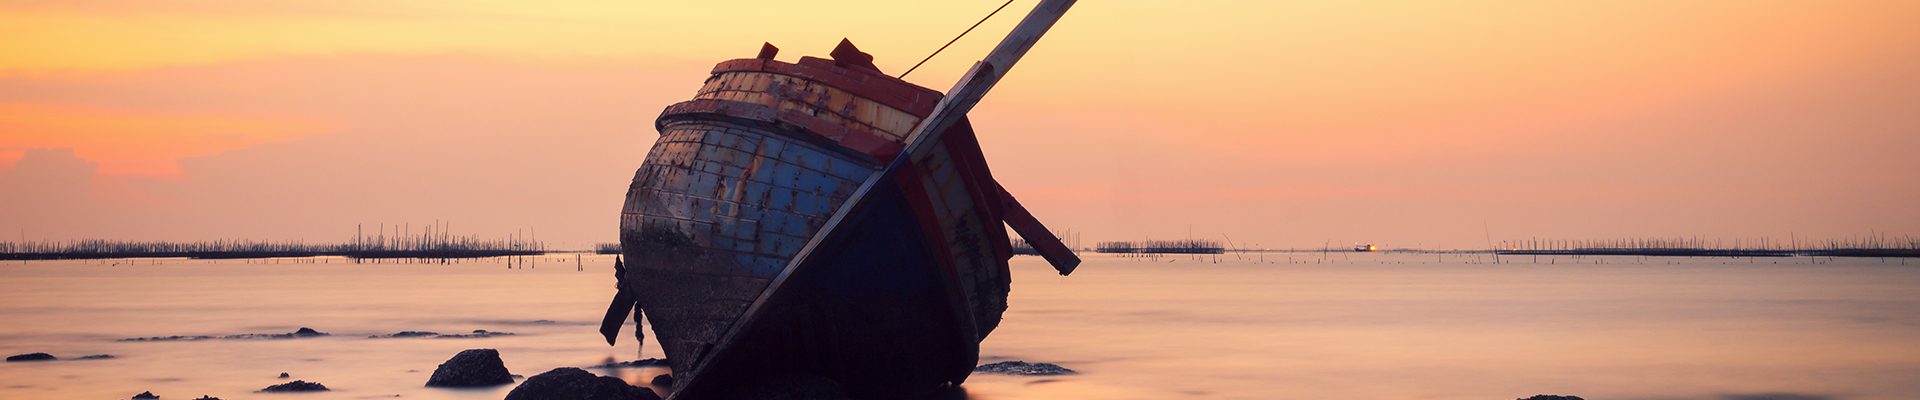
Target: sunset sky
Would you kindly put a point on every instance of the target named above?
(1433, 123)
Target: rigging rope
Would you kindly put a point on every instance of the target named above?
(903, 75)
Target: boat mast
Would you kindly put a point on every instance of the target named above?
(985, 73)
(964, 95)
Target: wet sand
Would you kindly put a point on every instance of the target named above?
(1362, 326)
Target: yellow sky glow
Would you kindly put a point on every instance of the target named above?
(1353, 106)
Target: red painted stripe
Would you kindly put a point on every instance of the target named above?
(963, 148)
(915, 190)
(887, 90)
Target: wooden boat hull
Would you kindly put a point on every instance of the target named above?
(872, 312)
(746, 173)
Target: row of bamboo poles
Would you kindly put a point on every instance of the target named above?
(1872, 245)
(1188, 246)
(1876, 241)
(435, 241)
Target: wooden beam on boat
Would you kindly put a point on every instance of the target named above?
(1037, 235)
(958, 101)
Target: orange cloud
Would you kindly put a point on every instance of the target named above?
(135, 142)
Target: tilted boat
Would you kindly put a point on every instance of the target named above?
(822, 218)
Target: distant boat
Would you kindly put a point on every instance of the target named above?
(1367, 247)
(823, 218)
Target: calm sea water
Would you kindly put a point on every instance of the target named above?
(1347, 326)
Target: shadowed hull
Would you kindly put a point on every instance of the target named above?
(872, 310)
(719, 208)
(893, 303)
(713, 215)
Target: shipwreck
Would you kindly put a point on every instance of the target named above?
(823, 218)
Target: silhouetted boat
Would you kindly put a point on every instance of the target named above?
(823, 218)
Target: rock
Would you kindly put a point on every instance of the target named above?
(471, 368)
(303, 332)
(788, 387)
(296, 334)
(477, 333)
(405, 334)
(31, 357)
(1024, 368)
(96, 357)
(663, 380)
(206, 397)
(650, 362)
(284, 375)
(166, 338)
(296, 386)
(145, 396)
(1552, 397)
(568, 383)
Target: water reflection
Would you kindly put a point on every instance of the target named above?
(1355, 326)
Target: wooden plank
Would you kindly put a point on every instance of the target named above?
(1036, 234)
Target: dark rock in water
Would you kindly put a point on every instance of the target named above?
(302, 333)
(567, 383)
(663, 380)
(1023, 368)
(1552, 397)
(145, 396)
(284, 375)
(166, 338)
(296, 386)
(405, 334)
(95, 357)
(651, 362)
(477, 333)
(206, 397)
(788, 387)
(471, 368)
(31, 357)
(296, 334)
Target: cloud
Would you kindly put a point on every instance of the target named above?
(48, 173)
(141, 142)
(492, 145)
(45, 188)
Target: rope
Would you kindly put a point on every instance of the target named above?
(903, 75)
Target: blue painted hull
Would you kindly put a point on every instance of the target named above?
(712, 217)
(891, 304)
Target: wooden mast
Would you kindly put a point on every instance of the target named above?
(964, 95)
